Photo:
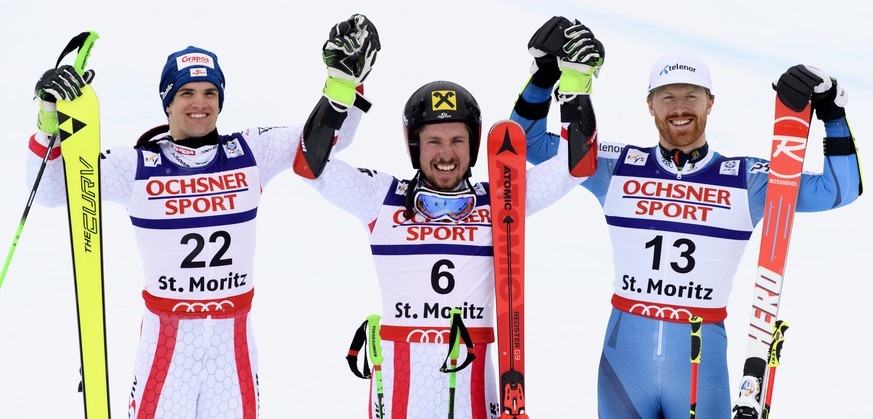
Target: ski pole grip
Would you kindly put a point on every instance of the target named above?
(696, 338)
(85, 51)
(455, 348)
(375, 340)
(83, 42)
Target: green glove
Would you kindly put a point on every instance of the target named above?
(47, 119)
(341, 91)
(585, 56)
(349, 55)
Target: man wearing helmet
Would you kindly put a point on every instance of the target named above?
(431, 241)
(192, 195)
(679, 216)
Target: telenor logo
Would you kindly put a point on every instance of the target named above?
(668, 68)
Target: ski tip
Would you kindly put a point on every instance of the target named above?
(504, 123)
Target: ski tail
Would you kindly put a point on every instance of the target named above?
(506, 170)
(79, 132)
(790, 134)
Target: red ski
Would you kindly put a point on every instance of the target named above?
(506, 172)
(790, 134)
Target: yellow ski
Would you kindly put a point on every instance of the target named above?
(79, 132)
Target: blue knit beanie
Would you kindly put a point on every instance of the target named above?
(191, 64)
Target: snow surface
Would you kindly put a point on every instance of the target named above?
(315, 277)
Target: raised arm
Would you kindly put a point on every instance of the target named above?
(840, 181)
(349, 54)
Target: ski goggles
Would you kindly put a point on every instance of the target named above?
(439, 206)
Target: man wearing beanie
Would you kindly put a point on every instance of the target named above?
(192, 194)
(679, 216)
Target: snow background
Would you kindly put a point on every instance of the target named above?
(315, 277)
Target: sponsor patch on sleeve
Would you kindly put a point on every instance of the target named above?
(232, 149)
(150, 159)
(730, 167)
(636, 158)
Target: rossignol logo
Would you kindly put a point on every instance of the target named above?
(792, 149)
(668, 68)
(195, 58)
(444, 100)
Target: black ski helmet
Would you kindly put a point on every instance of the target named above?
(436, 102)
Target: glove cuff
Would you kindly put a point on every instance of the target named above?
(340, 90)
(47, 118)
(827, 110)
(573, 81)
(828, 106)
(546, 74)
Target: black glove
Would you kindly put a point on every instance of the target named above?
(545, 46)
(583, 47)
(801, 84)
(350, 51)
(62, 83)
(559, 39)
(829, 105)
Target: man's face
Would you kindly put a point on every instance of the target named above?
(194, 110)
(680, 112)
(444, 154)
